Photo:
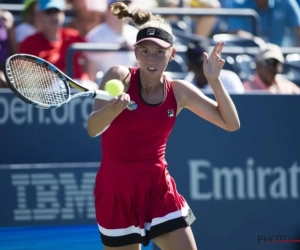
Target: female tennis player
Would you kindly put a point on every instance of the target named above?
(135, 197)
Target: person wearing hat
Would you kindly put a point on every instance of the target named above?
(52, 41)
(269, 64)
(195, 59)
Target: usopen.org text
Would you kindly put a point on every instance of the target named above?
(13, 110)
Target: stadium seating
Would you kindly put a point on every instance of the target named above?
(239, 53)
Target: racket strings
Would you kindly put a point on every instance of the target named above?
(37, 82)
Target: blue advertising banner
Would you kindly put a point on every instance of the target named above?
(31, 135)
(243, 187)
(47, 194)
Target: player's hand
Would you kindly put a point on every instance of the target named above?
(213, 63)
(119, 103)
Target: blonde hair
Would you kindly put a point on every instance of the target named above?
(141, 19)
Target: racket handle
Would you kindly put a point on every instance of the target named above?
(103, 95)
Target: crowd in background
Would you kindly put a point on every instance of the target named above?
(44, 31)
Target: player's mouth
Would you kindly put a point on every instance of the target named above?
(152, 69)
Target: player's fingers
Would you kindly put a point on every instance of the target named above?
(220, 48)
(216, 48)
(121, 98)
(127, 97)
(113, 101)
(126, 101)
(205, 57)
(116, 101)
(122, 101)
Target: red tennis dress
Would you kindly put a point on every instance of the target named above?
(135, 197)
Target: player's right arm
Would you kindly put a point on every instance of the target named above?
(104, 112)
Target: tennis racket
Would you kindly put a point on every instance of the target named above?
(41, 84)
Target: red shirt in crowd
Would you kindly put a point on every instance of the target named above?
(55, 51)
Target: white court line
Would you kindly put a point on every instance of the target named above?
(50, 165)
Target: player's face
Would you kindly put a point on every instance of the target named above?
(152, 58)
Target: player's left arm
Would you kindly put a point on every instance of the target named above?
(221, 112)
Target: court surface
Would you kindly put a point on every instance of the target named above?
(56, 237)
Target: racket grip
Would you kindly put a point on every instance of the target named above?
(103, 95)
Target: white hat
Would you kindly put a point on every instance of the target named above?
(270, 51)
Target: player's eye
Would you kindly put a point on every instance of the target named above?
(160, 52)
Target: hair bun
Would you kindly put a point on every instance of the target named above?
(120, 10)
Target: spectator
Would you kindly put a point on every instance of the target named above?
(268, 67)
(226, 3)
(7, 41)
(275, 17)
(195, 58)
(221, 25)
(112, 31)
(85, 18)
(169, 4)
(204, 25)
(29, 21)
(177, 22)
(52, 42)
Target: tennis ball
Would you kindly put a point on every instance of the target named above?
(114, 87)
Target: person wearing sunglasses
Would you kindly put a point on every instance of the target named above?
(269, 66)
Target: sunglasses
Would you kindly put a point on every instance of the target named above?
(272, 62)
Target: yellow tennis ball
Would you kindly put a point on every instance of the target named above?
(114, 87)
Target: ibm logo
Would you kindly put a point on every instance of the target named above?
(60, 196)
